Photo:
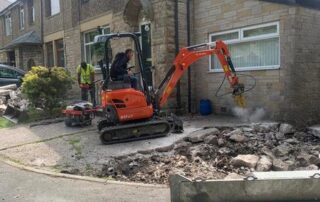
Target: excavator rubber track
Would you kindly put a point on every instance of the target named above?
(134, 131)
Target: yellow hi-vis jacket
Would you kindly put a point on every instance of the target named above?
(85, 74)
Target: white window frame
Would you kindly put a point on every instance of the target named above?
(58, 9)
(248, 39)
(21, 18)
(90, 43)
(8, 24)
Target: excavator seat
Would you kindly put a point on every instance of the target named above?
(117, 85)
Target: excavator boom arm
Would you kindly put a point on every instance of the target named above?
(189, 55)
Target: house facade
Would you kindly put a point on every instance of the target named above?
(20, 38)
(274, 46)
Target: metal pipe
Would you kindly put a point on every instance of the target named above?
(176, 22)
(189, 43)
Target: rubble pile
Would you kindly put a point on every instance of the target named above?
(3, 106)
(16, 100)
(223, 152)
(11, 96)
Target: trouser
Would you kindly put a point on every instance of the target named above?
(85, 92)
(133, 80)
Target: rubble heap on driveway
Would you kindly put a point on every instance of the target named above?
(222, 152)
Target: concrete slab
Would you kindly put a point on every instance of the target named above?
(23, 134)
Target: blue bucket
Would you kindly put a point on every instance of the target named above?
(205, 107)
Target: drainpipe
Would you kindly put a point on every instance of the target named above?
(176, 22)
(41, 29)
(189, 44)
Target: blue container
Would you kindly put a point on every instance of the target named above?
(205, 107)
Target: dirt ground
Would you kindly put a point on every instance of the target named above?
(211, 147)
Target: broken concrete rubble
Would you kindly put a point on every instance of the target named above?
(211, 139)
(238, 138)
(11, 101)
(264, 164)
(249, 161)
(286, 128)
(315, 130)
(215, 154)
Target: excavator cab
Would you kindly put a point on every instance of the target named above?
(105, 66)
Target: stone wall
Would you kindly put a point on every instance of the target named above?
(216, 16)
(31, 52)
(302, 95)
(54, 23)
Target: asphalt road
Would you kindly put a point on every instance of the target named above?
(20, 185)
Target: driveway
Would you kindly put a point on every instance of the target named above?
(58, 148)
(19, 185)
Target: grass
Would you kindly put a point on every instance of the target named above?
(76, 145)
(5, 123)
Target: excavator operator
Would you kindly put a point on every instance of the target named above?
(119, 68)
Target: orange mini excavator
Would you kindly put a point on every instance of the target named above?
(134, 114)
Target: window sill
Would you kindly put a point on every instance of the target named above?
(243, 69)
(52, 16)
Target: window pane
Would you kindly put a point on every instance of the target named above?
(55, 6)
(88, 53)
(224, 37)
(94, 53)
(253, 54)
(106, 30)
(7, 73)
(89, 37)
(60, 53)
(21, 18)
(8, 25)
(260, 31)
(49, 48)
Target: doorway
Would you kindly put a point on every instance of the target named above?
(11, 58)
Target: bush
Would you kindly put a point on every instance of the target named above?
(47, 88)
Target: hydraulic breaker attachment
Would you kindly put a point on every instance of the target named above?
(239, 99)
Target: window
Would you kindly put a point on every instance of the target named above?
(50, 59)
(32, 15)
(8, 73)
(60, 52)
(53, 7)
(252, 48)
(94, 52)
(84, 1)
(8, 25)
(21, 17)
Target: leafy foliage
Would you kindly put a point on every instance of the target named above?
(46, 88)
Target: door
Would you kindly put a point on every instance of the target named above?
(12, 58)
(145, 29)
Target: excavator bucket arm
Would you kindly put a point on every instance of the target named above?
(191, 54)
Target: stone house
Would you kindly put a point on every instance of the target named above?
(273, 41)
(20, 34)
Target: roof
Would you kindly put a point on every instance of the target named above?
(29, 38)
(4, 4)
(8, 7)
(314, 4)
